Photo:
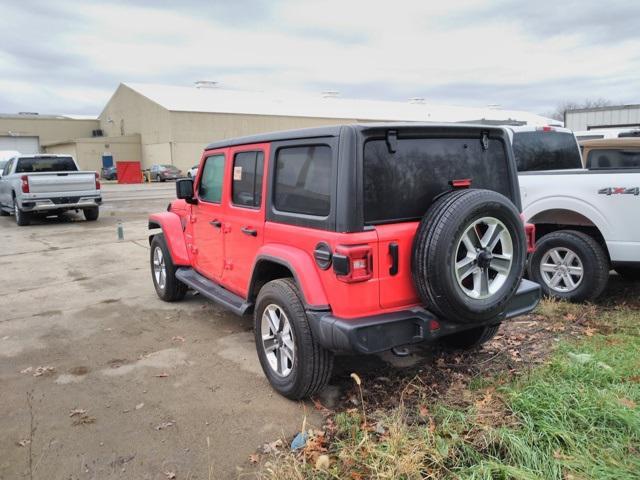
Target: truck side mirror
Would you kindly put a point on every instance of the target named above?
(184, 190)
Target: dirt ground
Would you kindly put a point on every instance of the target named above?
(99, 379)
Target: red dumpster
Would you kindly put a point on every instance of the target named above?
(129, 172)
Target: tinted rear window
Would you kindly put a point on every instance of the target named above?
(535, 151)
(402, 185)
(610, 159)
(303, 180)
(46, 164)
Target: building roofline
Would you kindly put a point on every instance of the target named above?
(599, 109)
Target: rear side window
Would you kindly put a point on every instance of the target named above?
(210, 189)
(46, 164)
(402, 185)
(535, 151)
(612, 159)
(247, 178)
(303, 180)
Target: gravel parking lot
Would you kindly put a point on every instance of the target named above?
(100, 379)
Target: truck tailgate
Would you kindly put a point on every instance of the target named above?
(61, 182)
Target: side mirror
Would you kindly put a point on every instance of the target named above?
(184, 190)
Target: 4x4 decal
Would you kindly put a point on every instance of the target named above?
(619, 191)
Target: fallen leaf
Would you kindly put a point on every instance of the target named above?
(589, 331)
(170, 475)
(272, 447)
(77, 411)
(423, 411)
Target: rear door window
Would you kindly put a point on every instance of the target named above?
(401, 186)
(210, 189)
(613, 159)
(46, 164)
(247, 178)
(539, 150)
(303, 180)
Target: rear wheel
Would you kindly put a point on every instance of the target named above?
(163, 272)
(471, 338)
(468, 256)
(22, 218)
(295, 365)
(91, 214)
(570, 265)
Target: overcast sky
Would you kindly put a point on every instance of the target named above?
(68, 56)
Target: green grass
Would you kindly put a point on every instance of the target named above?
(575, 418)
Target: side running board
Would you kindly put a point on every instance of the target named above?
(213, 291)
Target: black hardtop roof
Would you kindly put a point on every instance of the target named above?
(334, 131)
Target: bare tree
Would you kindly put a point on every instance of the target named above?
(558, 113)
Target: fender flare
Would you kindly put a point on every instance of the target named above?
(301, 266)
(171, 225)
(572, 205)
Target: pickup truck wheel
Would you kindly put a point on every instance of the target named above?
(467, 339)
(91, 214)
(570, 265)
(629, 273)
(469, 255)
(22, 219)
(163, 272)
(295, 365)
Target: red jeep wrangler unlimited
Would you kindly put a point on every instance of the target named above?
(355, 238)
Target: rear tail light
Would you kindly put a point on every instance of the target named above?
(530, 231)
(353, 263)
(25, 183)
(97, 181)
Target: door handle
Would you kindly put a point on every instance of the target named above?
(393, 252)
(216, 223)
(249, 231)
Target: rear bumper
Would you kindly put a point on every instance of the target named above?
(382, 332)
(60, 203)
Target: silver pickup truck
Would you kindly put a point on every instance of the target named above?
(44, 185)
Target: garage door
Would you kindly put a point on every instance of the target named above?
(21, 144)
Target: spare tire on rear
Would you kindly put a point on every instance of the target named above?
(469, 254)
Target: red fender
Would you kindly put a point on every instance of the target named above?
(303, 268)
(171, 225)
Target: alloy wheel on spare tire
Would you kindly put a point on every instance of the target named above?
(294, 363)
(468, 255)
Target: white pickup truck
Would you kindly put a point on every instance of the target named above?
(46, 185)
(587, 221)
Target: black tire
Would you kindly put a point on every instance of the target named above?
(468, 339)
(594, 260)
(312, 364)
(438, 242)
(23, 218)
(172, 289)
(631, 274)
(91, 214)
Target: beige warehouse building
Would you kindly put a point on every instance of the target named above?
(172, 125)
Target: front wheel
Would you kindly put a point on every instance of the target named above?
(295, 365)
(570, 265)
(163, 272)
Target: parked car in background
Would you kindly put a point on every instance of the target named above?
(605, 133)
(586, 220)
(109, 173)
(45, 185)
(612, 154)
(193, 172)
(432, 248)
(162, 173)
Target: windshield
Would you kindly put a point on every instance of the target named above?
(611, 159)
(402, 185)
(46, 164)
(542, 150)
